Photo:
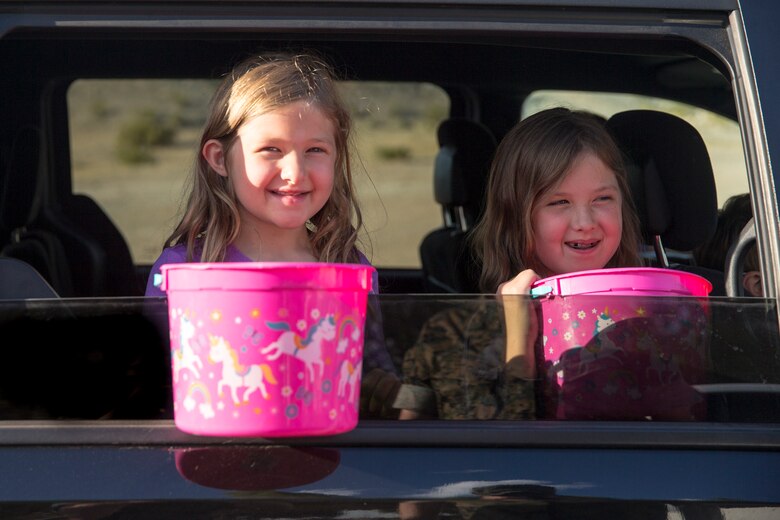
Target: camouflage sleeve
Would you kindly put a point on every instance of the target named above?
(420, 399)
(442, 331)
(457, 365)
(517, 394)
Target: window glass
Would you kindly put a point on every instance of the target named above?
(681, 359)
(596, 357)
(133, 142)
(721, 135)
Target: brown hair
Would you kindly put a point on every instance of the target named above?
(732, 218)
(256, 86)
(534, 157)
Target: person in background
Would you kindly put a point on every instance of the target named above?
(272, 181)
(558, 202)
(732, 218)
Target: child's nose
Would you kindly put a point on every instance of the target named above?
(292, 167)
(583, 218)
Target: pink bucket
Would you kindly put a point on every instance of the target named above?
(613, 353)
(266, 349)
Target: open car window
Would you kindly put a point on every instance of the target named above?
(131, 151)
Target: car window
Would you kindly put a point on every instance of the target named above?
(721, 135)
(133, 141)
(601, 356)
(595, 359)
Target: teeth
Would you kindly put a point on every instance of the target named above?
(580, 245)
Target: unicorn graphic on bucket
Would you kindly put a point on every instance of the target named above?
(348, 375)
(236, 375)
(185, 356)
(308, 349)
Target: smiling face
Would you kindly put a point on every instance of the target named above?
(577, 225)
(281, 166)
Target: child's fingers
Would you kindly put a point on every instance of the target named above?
(378, 390)
(520, 284)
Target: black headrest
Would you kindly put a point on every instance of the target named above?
(466, 149)
(20, 180)
(670, 175)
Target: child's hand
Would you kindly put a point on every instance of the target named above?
(378, 390)
(520, 323)
(520, 284)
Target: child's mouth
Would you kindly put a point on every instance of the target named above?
(583, 246)
(293, 194)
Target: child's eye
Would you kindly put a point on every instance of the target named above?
(272, 149)
(317, 149)
(558, 202)
(605, 198)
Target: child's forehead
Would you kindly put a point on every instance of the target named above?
(295, 111)
(586, 172)
(299, 106)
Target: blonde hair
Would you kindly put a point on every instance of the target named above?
(256, 86)
(534, 156)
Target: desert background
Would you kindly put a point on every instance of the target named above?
(133, 142)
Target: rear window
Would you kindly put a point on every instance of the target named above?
(721, 135)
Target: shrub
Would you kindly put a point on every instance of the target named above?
(99, 109)
(393, 153)
(141, 133)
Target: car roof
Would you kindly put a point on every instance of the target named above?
(499, 55)
(649, 4)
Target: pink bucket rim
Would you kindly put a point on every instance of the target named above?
(627, 280)
(239, 266)
(246, 275)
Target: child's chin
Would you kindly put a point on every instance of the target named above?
(291, 224)
(585, 266)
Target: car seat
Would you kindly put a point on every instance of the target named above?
(672, 186)
(20, 281)
(460, 175)
(41, 249)
(74, 245)
(100, 260)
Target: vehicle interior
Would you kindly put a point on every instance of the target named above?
(73, 222)
(85, 255)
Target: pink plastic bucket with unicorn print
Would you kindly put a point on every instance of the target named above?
(624, 343)
(266, 349)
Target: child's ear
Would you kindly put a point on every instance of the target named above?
(752, 284)
(214, 154)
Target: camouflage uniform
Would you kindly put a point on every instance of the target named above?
(456, 368)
